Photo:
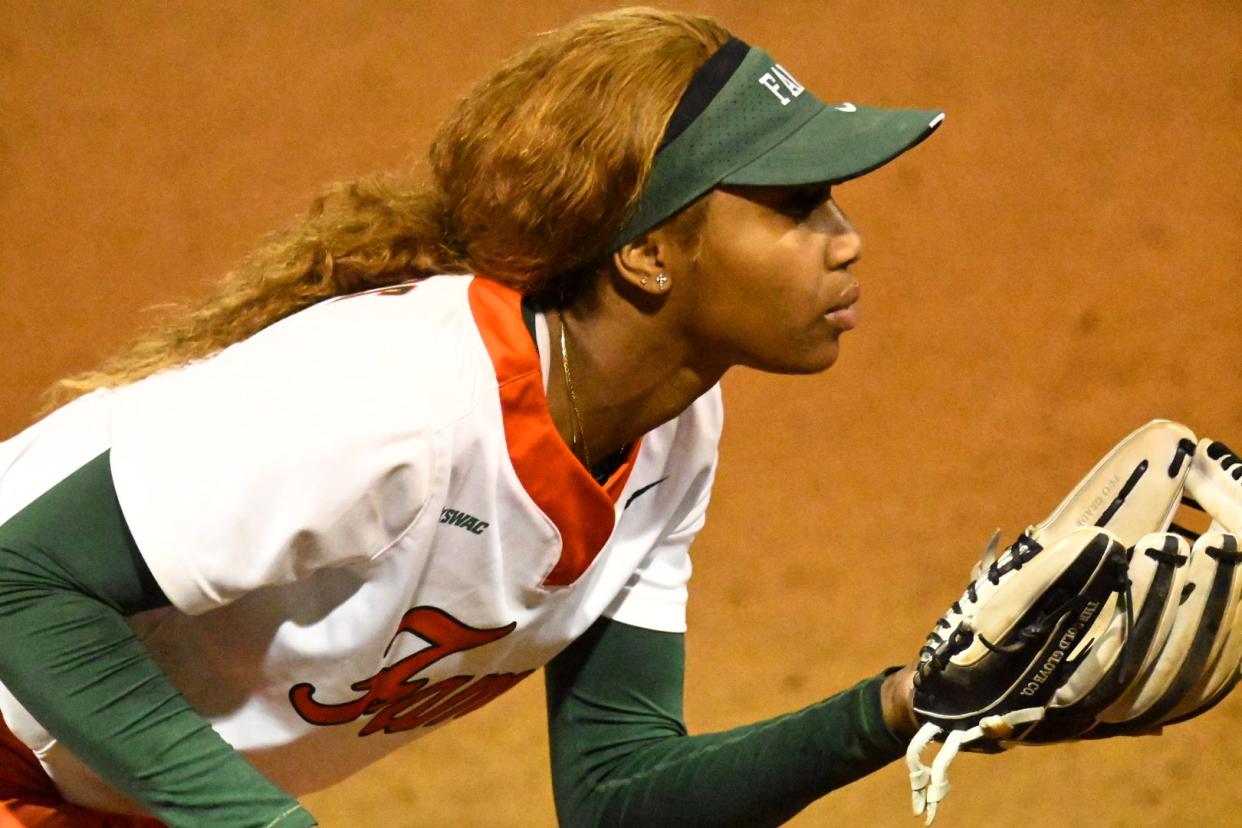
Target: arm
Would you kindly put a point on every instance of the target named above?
(69, 573)
(621, 754)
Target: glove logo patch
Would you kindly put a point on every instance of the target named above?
(1066, 643)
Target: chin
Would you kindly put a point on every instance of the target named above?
(813, 362)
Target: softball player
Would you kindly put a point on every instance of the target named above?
(435, 438)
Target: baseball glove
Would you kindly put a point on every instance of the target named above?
(1059, 603)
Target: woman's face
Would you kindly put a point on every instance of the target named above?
(768, 284)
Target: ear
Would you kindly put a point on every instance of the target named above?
(641, 264)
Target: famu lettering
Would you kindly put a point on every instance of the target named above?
(396, 700)
(770, 79)
(468, 522)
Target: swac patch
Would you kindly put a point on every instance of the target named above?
(398, 700)
(468, 522)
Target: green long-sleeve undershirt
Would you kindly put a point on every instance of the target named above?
(621, 755)
(70, 571)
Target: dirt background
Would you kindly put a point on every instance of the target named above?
(1059, 264)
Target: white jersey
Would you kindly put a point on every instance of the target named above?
(368, 525)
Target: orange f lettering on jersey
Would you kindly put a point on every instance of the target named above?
(397, 699)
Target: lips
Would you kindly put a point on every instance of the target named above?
(844, 314)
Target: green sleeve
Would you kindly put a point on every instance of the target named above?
(621, 754)
(69, 573)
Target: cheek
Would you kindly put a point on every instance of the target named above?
(761, 281)
(756, 268)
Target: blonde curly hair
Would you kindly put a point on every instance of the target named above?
(531, 176)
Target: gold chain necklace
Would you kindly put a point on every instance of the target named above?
(578, 433)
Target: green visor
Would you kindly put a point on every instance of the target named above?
(744, 120)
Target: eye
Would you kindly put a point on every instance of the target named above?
(800, 202)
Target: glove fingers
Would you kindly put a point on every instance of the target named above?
(1214, 482)
(1225, 647)
(1163, 561)
(1192, 642)
(1133, 491)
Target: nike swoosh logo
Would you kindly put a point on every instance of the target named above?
(643, 490)
(846, 107)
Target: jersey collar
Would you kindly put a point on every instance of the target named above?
(582, 510)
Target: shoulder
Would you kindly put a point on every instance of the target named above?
(311, 443)
(409, 354)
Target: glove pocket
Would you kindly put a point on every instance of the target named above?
(1021, 641)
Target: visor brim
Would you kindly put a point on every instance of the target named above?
(838, 143)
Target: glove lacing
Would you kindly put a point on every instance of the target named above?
(930, 785)
(935, 654)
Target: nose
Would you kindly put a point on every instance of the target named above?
(844, 244)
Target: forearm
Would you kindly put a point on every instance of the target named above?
(621, 755)
(76, 666)
(68, 573)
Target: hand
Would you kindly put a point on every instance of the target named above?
(897, 700)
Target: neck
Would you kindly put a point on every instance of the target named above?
(627, 377)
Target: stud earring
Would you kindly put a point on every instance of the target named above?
(644, 281)
(662, 282)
